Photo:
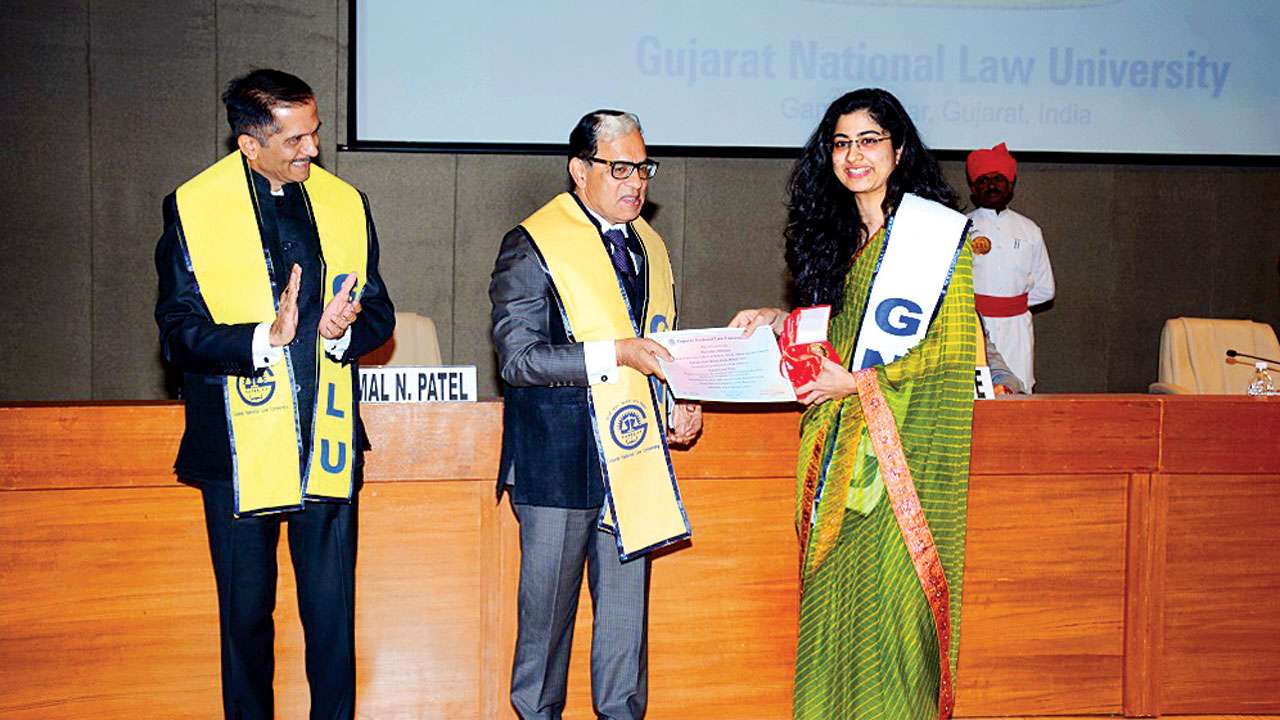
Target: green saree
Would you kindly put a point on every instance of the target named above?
(868, 647)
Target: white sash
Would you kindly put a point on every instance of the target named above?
(921, 244)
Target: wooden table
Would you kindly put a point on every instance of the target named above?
(1120, 560)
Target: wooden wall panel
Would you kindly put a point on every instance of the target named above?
(86, 223)
(152, 98)
(46, 206)
(1222, 621)
(412, 241)
(1156, 249)
(494, 193)
(1075, 433)
(733, 245)
(107, 605)
(721, 610)
(1144, 593)
(1042, 630)
(61, 446)
(420, 601)
(736, 444)
(449, 440)
(1072, 434)
(1231, 434)
(249, 36)
(119, 583)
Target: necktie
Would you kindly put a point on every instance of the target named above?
(619, 254)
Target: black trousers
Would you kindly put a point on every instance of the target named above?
(322, 545)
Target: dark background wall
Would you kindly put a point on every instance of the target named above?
(108, 106)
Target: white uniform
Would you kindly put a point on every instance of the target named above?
(1018, 263)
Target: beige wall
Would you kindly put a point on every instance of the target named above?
(110, 105)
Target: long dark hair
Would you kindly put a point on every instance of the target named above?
(824, 228)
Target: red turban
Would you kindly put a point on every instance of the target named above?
(997, 159)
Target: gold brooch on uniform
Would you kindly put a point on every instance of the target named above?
(981, 245)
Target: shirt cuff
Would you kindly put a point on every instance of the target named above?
(263, 354)
(337, 347)
(601, 360)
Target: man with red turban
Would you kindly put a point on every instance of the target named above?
(1011, 270)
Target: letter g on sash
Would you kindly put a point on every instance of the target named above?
(903, 324)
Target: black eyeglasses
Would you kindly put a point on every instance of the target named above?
(622, 169)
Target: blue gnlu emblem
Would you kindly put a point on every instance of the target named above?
(628, 426)
(256, 391)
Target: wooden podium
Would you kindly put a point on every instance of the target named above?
(1120, 561)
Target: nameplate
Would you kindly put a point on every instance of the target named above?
(417, 384)
(983, 387)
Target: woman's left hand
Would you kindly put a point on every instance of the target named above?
(833, 383)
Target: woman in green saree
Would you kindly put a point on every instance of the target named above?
(882, 474)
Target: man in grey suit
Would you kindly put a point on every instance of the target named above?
(550, 453)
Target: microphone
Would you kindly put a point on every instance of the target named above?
(1232, 352)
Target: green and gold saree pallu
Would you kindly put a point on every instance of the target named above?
(218, 213)
(642, 508)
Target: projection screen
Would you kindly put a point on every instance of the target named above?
(1168, 77)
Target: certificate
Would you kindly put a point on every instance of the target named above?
(721, 365)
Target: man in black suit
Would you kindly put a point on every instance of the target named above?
(550, 450)
(269, 292)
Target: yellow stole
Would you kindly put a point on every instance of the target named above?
(218, 212)
(642, 501)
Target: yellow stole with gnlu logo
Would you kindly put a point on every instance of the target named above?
(642, 501)
(220, 232)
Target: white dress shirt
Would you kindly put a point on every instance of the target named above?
(1017, 263)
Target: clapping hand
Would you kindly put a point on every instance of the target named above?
(286, 322)
(341, 311)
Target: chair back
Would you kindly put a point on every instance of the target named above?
(1193, 354)
(414, 342)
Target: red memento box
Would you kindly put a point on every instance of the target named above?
(804, 343)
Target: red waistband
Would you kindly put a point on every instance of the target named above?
(999, 306)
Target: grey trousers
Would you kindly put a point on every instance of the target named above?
(554, 544)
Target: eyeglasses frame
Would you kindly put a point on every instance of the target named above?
(632, 167)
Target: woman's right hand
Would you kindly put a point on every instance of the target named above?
(834, 382)
(749, 320)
